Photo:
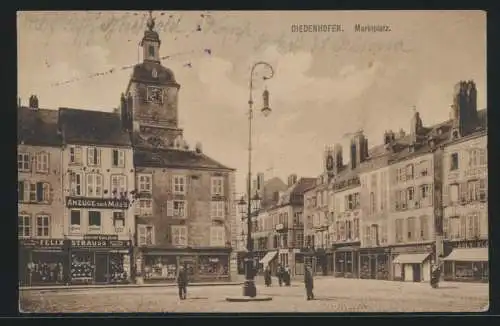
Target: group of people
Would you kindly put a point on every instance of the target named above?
(284, 277)
(283, 274)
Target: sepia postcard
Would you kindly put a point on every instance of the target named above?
(252, 161)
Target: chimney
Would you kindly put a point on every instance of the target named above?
(198, 148)
(33, 102)
(292, 179)
(354, 153)
(359, 150)
(254, 185)
(260, 181)
(415, 128)
(337, 156)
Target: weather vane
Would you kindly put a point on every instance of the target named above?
(151, 21)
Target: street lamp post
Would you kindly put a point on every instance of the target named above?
(249, 289)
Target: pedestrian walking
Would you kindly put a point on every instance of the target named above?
(287, 275)
(182, 281)
(267, 276)
(279, 273)
(309, 283)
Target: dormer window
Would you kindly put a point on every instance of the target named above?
(151, 51)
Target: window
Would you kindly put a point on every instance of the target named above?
(357, 202)
(118, 158)
(349, 202)
(454, 191)
(318, 200)
(411, 235)
(42, 162)
(119, 221)
(454, 227)
(179, 236)
(473, 190)
(425, 194)
(383, 236)
(337, 230)
(42, 226)
(23, 162)
(399, 230)
(24, 226)
(348, 231)
(75, 221)
(33, 192)
(424, 228)
(94, 185)
(145, 235)
(477, 157)
(374, 234)
(151, 51)
(94, 221)
(76, 185)
(93, 156)
(342, 231)
(144, 183)
(463, 226)
(217, 186)
(454, 161)
(424, 168)
(410, 194)
(366, 235)
(179, 208)
(179, 185)
(409, 172)
(482, 189)
(356, 228)
(217, 209)
(75, 155)
(217, 236)
(118, 184)
(373, 204)
(145, 207)
(299, 240)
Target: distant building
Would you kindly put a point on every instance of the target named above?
(40, 199)
(185, 207)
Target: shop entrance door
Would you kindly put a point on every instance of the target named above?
(373, 268)
(416, 272)
(101, 267)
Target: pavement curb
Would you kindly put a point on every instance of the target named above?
(121, 286)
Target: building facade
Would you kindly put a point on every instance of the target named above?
(98, 184)
(465, 191)
(42, 255)
(185, 209)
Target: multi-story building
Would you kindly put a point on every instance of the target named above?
(42, 257)
(465, 190)
(374, 260)
(185, 198)
(283, 225)
(98, 184)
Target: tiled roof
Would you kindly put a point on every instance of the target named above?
(37, 127)
(92, 127)
(163, 158)
(296, 190)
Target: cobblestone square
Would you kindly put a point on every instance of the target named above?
(332, 295)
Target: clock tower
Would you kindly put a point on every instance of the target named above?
(149, 106)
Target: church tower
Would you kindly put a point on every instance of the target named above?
(152, 98)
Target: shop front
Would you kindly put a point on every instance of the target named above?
(467, 264)
(374, 263)
(100, 259)
(412, 263)
(162, 265)
(346, 260)
(43, 261)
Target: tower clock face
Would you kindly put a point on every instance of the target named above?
(155, 95)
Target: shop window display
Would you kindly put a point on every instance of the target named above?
(117, 271)
(46, 268)
(82, 267)
(214, 266)
(160, 268)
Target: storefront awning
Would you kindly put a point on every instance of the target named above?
(410, 258)
(468, 254)
(268, 257)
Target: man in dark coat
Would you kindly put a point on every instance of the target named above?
(279, 274)
(267, 276)
(309, 283)
(182, 281)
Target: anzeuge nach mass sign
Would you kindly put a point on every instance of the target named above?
(109, 203)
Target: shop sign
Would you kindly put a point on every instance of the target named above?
(99, 237)
(100, 243)
(213, 260)
(104, 203)
(46, 243)
(279, 227)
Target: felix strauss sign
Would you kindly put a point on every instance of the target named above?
(109, 203)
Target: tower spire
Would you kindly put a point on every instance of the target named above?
(151, 21)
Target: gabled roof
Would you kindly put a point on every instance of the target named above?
(173, 158)
(37, 127)
(293, 193)
(80, 126)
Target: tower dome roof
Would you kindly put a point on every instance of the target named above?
(145, 72)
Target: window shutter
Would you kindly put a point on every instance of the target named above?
(170, 208)
(98, 156)
(78, 154)
(141, 235)
(46, 191)
(20, 191)
(463, 191)
(90, 156)
(37, 162)
(183, 232)
(39, 191)
(27, 186)
(446, 195)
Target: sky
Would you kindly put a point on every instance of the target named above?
(325, 84)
